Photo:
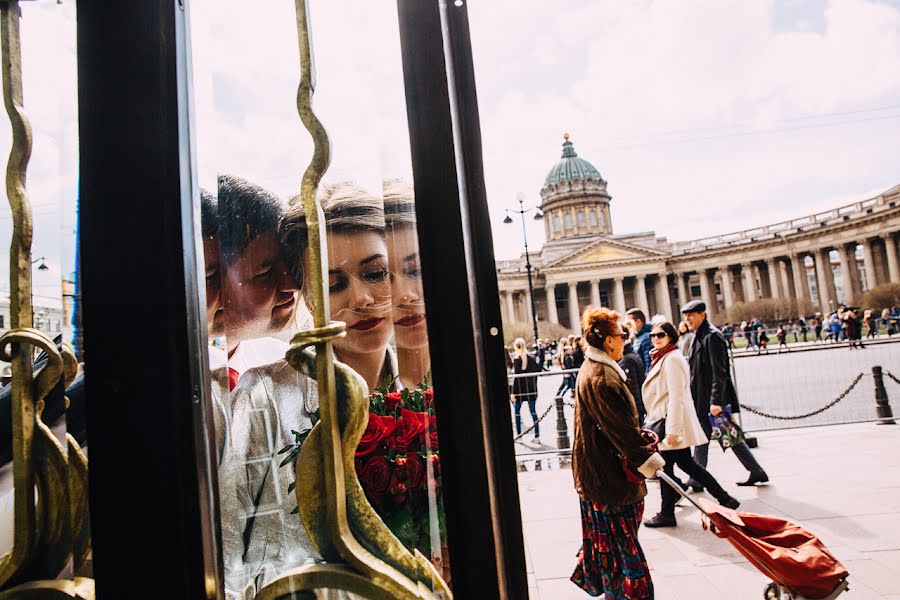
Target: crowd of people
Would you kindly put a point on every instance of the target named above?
(681, 388)
(636, 375)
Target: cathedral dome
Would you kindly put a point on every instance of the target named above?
(571, 167)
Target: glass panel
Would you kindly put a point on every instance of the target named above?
(261, 291)
(43, 41)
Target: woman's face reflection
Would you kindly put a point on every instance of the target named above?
(359, 286)
(410, 330)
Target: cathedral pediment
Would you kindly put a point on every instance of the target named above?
(605, 251)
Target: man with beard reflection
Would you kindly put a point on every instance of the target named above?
(251, 294)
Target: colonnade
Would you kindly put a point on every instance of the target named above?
(786, 275)
(783, 274)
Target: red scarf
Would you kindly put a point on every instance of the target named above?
(657, 353)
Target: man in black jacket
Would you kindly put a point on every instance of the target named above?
(712, 387)
(633, 366)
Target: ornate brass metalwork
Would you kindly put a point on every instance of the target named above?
(43, 531)
(333, 507)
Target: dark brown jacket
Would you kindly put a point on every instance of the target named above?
(606, 426)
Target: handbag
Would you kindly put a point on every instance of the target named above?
(632, 475)
(658, 427)
(724, 429)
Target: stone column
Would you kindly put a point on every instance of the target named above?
(663, 297)
(890, 248)
(798, 270)
(727, 286)
(852, 281)
(682, 289)
(510, 307)
(869, 262)
(574, 313)
(619, 295)
(552, 316)
(825, 278)
(784, 280)
(595, 293)
(773, 278)
(708, 293)
(640, 294)
(749, 282)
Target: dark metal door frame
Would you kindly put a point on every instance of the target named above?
(152, 476)
(484, 522)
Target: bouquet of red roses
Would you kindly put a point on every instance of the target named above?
(398, 466)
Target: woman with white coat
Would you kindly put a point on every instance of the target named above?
(667, 395)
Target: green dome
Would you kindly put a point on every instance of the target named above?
(571, 167)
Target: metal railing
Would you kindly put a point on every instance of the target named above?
(856, 393)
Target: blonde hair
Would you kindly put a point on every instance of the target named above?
(347, 207)
(519, 348)
(399, 203)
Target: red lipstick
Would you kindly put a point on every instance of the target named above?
(410, 321)
(366, 324)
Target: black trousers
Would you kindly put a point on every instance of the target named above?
(686, 463)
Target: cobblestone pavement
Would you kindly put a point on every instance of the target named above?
(841, 482)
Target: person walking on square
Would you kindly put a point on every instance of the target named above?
(610, 458)
(525, 389)
(641, 330)
(671, 412)
(713, 389)
(781, 334)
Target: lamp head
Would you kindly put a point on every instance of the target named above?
(507, 219)
(539, 214)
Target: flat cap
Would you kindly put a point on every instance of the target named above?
(694, 306)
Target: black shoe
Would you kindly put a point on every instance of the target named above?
(754, 479)
(661, 520)
(696, 488)
(730, 502)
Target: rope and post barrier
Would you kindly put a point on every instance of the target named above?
(882, 404)
(562, 428)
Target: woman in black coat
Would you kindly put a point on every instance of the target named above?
(525, 388)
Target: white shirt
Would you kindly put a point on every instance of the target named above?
(249, 354)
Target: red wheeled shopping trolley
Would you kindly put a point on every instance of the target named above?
(797, 562)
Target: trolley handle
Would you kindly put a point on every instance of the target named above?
(680, 491)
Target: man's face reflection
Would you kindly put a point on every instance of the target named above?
(258, 292)
(215, 315)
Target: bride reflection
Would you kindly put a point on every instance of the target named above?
(410, 327)
(261, 536)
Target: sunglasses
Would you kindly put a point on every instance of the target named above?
(659, 335)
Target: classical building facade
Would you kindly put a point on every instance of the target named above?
(824, 259)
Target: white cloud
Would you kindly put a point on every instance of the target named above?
(669, 101)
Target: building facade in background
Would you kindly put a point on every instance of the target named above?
(818, 262)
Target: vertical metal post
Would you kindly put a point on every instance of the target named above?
(562, 428)
(882, 404)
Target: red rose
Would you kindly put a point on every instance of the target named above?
(377, 429)
(375, 477)
(429, 396)
(392, 400)
(398, 488)
(415, 471)
(406, 435)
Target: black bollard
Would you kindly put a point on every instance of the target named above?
(562, 429)
(882, 404)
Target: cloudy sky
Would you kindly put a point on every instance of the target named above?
(705, 116)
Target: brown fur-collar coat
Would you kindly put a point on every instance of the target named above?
(606, 426)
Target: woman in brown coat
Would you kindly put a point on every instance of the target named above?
(610, 458)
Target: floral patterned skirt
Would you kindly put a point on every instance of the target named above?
(611, 560)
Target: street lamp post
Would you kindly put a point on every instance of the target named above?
(538, 215)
